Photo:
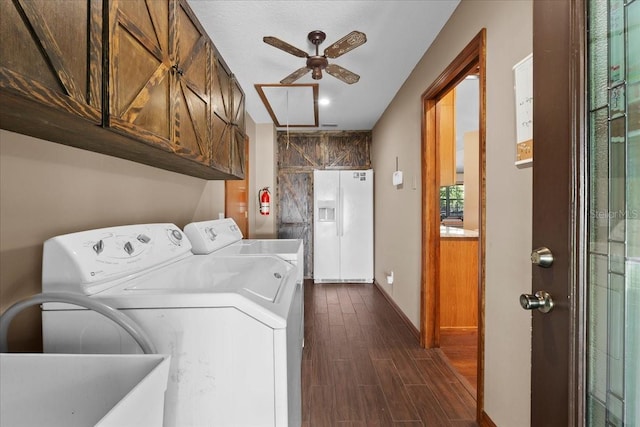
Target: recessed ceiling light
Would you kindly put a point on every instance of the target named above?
(324, 101)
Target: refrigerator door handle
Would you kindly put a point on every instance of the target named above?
(341, 193)
(338, 210)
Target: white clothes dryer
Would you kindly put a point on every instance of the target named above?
(223, 237)
(231, 324)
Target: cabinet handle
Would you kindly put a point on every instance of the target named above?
(177, 69)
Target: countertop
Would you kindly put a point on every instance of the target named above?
(454, 232)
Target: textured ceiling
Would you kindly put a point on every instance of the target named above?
(398, 34)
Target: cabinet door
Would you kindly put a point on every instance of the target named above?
(238, 105)
(238, 153)
(192, 97)
(50, 54)
(140, 70)
(222, 128)
(446, 131)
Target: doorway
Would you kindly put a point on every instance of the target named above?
(439, 179)
(236, 196)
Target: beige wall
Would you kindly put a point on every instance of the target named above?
(508, 210)
(265, 176)
(47, 189)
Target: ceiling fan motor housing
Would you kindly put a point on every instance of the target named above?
(316, 64)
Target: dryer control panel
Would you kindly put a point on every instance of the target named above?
(90, 261)
(209, 236)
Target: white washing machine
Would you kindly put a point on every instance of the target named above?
(223, 237)
(231, 324)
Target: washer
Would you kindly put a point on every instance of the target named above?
(231, 324)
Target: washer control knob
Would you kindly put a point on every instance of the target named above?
(128, 248)
(210, 232)
(98, 247)
(175, 236)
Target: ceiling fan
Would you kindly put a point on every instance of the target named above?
(316, 63)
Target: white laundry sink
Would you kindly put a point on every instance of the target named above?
(82, 389)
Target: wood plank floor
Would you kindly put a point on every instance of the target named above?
(363, 367)
(460, 346)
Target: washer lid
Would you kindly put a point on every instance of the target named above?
(287, 249)
(253, 276)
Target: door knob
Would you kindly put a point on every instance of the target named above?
(541, 301)
(542, 257)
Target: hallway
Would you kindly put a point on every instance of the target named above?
(363, 367)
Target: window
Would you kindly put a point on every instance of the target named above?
(452, 202)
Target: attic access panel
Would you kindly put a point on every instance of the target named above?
(294, 105)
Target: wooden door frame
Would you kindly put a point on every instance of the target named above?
(228, 188)
(473, 55)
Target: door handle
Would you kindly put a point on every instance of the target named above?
(542, 257)
(541, 300)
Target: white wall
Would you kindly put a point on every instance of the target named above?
(508, 197)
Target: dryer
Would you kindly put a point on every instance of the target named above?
(231, 324)
(223, 237)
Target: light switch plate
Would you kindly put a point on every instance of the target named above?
(397, 178)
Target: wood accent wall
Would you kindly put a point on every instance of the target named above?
(299, 154)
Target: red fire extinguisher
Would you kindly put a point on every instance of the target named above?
(265, 200)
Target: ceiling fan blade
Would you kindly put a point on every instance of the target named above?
(345, 44)
(295, 75)
(342, 74)
(276, 42)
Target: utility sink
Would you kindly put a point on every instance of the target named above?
(82, 389)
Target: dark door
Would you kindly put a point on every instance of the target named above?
(586, 211)
(557, 139)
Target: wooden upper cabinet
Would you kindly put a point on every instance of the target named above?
(140, 70)
(51, 55)
(222, 90)
(238, 153)
(160, 90)
(238, 105)
(446, 132)
(222, 113)
(192, 124)
(152, 92)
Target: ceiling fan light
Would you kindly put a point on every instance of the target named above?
(317, 73)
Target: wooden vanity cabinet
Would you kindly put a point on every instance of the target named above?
(50, 63)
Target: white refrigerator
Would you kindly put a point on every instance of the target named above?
(343, 226)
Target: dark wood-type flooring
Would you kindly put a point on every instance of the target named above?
(460, 346)
(363, 367)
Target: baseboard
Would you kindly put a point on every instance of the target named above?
(414, 331)
(485, 421)
(458, 328)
